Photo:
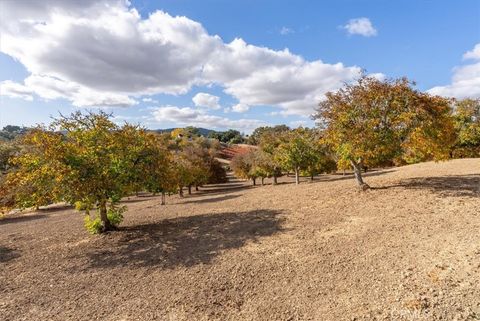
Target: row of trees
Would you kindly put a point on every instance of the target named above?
(87, 160)
(372, 123)
(299, 151)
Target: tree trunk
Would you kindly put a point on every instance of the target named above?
(263, 178)
(297, 177)
(274, 180)
(311, 177)
(344, 173)
(254, 180)
(180, 191)
(102, 207)
(357, 169)
(163, 198)
(189, 189)
(196, 188)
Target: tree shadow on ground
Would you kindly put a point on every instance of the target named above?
(224, 185)
(136, 199)
(19, 218)
(211, 199)
(220, 190)
(54, 208)
(7, 254)
(332, 177)
(454, 185)
(350, 176)
(184, 241)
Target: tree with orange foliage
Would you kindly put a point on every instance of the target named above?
(381, 122)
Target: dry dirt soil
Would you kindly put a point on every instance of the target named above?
(408, 249)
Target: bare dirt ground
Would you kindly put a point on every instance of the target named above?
(409, 249)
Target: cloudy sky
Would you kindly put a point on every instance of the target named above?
(224, 64)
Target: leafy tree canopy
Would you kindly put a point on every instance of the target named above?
(377, 122)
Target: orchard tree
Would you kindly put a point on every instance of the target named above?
(265, 166)
(97, 164)
(256, 137)
(157, 172)
(32, 180)
(137, 149)
(269, 142)
(182, 172)
(198, 161)
(217, 172)
(7, 151)
(467, 126)
(295, 152)
(377, 122)
(195, 162)
(318, 159)
(83, 159)
(244, 166)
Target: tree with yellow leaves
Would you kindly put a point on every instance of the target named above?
(88, 160)
(379, 122)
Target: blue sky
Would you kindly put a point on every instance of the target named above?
(146, 61)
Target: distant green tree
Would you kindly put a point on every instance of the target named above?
(230, 136)
(296, 151)
(11, 132)
(193, 131)
(318, 157)
(255, 137)
(269, 143)
(265, 166)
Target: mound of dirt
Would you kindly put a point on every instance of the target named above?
(408, 249)
(229, 151)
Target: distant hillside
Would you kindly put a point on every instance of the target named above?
(229, 151)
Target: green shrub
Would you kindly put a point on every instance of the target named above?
(80, 206)
(93, 226)
(115, 215)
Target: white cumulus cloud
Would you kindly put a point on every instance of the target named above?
(206, 100)
(262, 76)
(80, 96)
(360, 26)
(149, 100)
(194, 117)
(105, 53)
(465, 80)
(473, 54)
(12, 89)
(240, 108)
